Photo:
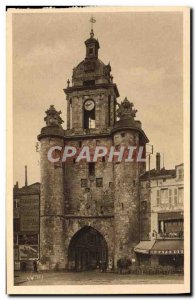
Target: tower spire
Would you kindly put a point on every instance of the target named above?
(92, 45)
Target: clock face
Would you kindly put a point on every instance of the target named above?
(89, 105)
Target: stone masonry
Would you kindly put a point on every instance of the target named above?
(73, 196)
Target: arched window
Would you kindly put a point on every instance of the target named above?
(89, 114)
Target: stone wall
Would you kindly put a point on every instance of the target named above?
(83, 194)
(126, 199)
(51, 208)
(100, 97)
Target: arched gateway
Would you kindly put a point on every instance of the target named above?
(87, 249)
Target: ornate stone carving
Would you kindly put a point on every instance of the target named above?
(53, 117)
(125, 110)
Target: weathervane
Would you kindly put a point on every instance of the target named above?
(92, 21)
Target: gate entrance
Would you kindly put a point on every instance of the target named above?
(87, 250)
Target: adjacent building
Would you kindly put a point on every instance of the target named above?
(26, 225)
(162, 197)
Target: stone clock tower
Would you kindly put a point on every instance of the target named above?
(91, 100)
(91, 208)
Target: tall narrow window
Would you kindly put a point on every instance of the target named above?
(175, 196)
(91, 169)
(164, 196)
(90, 51)
(70, 114)
(170, 196)
(109, 110)
(89, 114)
(158, 197)
(114, 103)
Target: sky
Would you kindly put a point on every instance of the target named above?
(146, 57)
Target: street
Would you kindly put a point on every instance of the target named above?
(67, 278)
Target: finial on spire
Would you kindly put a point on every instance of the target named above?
(92, 21)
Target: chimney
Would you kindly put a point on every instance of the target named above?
(16, 185)
(26, 182)
(158, 162)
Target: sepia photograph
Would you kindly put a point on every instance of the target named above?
(98, 150)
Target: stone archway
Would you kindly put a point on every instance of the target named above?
(87, 250)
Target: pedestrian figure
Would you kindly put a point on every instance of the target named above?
(35, 266)
(110, 265)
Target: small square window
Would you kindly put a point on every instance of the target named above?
(99, 182)
(83, 182)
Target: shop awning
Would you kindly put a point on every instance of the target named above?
(168, 247)
(144, 247)
(160, 247)
(171, 216)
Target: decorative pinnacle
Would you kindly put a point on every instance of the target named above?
(125, 110)
(53, 117)
(68, 83)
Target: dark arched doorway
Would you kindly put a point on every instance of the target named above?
(87, 250)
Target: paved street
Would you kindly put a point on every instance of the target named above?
(63, 278)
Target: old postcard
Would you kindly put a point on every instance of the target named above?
(98, 162)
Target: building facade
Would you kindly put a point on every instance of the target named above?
(163, 191)
(90, 212)
(26, 225)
